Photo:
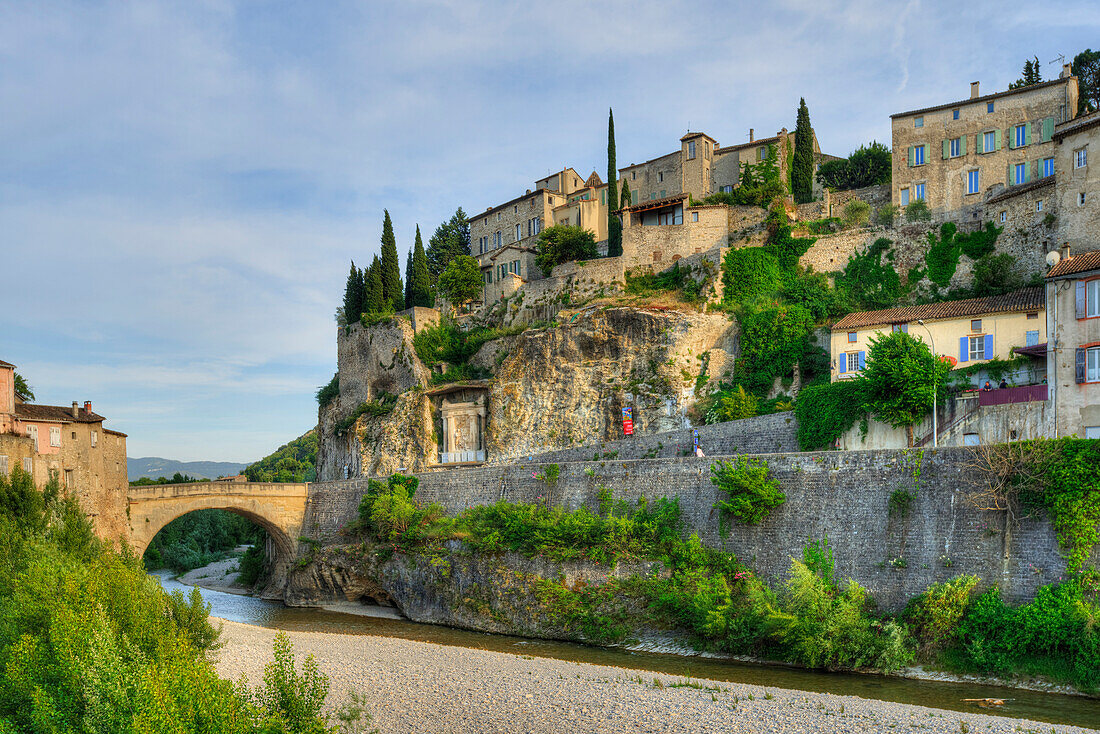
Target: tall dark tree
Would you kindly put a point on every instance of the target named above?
(1031, 75)
(408, 277)
(391, 267)
(353, 295)
(625, 199)
(374, 300)
(802, 163)
(614, 224)
(1086, 67)
(451, 239)
(421, 279)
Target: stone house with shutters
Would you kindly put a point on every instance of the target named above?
(88, 458)
(1073, 357)
(950, 155)
(968, 332)
(1077, 188)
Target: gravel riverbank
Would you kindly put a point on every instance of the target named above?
(423, 687)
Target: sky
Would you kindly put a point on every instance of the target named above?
(183, 184)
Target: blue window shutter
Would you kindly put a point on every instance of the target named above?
(989, 346)
(1080, 294)
(964, 349)
(842, 362)
(862, 359)
(1079, 365)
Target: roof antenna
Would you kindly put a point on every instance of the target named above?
(1061, 58)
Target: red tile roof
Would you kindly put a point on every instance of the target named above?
(56, 413)
(6, 364)
(1076, 264)
(1025, 299)
(656, 203)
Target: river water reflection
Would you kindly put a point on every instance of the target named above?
(1052, 708)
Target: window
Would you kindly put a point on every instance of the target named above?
(1033, 315)
(976, 325)
(1092, 371)
(918, 155)
(4, 465)
(633, 175)
(918, 122)
(1092, 298)
(32, 431)
(28, 465)
(989, 107)
(1031, 338)
(519, 233)
(1048, 167)
(904, 328)
(726, 189)
(1081, 199)
(660, 176)
(1080, 157)
(534, 226)
(1020, 175)
(853, 362)
(918, 191)
(977, 347)
(487, 276)
(762, 152)
(55, 436)
(972, 185)
(69, 481)
(1092, 431)
(954, 147)
(513, 267)
(515, 209)
(1004, 216)
(662, 193)
(903, 196)
(954, 114)
(695, 216)
(691, 149)
(498, 239)
(1039, 205)
(851, 337)
(498, 216)
(95, 438)
(482, 244)
(1021, 135)
(989, 142)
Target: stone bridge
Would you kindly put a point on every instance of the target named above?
(278, 508)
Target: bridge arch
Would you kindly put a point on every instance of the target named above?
(277, 508)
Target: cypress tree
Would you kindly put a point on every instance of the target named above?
(614, 224)
(802, 163)
(391, 267)
(374, 302)
(625, 200)
(408, 276)
(421, 280)
(353, 295)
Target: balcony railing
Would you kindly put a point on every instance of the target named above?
(1004, 396)
(459, 457)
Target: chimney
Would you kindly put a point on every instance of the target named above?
(1067, 72)
(87, 406)
(974, 93)
(1065, 251)
(76, 409)
(752, 135)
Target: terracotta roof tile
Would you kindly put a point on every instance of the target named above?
(1025, 299)
(1076, 264)
(1076, 125)
(6, 364)
(652, 203)
(33, 412)
(979, 100)
(1018, 189)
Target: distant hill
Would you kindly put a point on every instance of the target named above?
(154, 467)
(292, 462)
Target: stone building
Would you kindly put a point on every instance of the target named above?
(701, 167)
(89, 459)
(970, 332)
(950, 154)
(1077, 191)
(1073, 356)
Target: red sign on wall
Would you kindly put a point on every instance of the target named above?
(628, 421)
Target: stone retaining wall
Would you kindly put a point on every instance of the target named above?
(844, 495)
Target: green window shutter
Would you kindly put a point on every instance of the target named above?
(946, 149)
(1027, 171)
(910, 156)
(1048, 130)
(1010, 135)
(962, 145)
(978, 143)
(997, 139)
(1027, 133)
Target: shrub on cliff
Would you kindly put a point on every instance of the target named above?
(751, 493)
(564, 243)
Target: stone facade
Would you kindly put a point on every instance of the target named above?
(951, 154)
(844, 495)
(1077, 162)
(651, 243)
(1027, 214)
(834, 202)
(1073, 352)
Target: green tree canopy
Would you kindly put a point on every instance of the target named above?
(869, 165)
(392, 292)
(23, 390)
(373, 300)
(450, 239)
(1086, 67)
(1031, 75)
(354, 295)
(419, 276)
(625, 199)
(461, 282)
(899, 379)
(802, 165)
(564, 243)
(614, 224)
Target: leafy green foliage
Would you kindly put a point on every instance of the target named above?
(899, 378)
(826, 411)
(450, 239)
(869, 281)
(198, 539)
(418, 276)
(446, 343)
(327, 393)
(381, 404)
(759, 184)
(751, 493)
(1069, 490)
(177, 478)
(802, 162)
(292, 462)
(934, 616)
(625, 198)
(1032, 74)
(917, 211)
(731, 405)
(943, 254)
(461, 282)
(374, 301)
(1086, 67)
(354, 295)
(869, 165)
(23, 390)
(675, 279)
(886, 214)
(564, 243)
(901, 503)
(748, 273)
(857, 213)
(614, 224)
(393, 295)
(995, 275)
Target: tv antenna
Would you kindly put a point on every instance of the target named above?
(1061, 58)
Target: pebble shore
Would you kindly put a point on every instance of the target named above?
(423, 687)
